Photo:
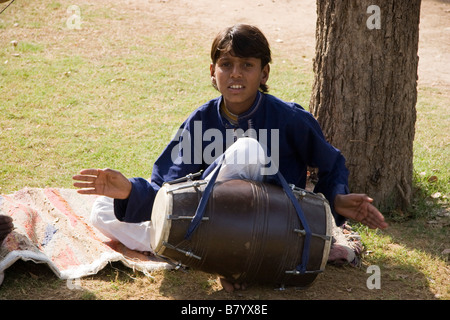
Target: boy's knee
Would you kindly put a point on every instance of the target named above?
(102, 211)
(245, 151)
(248, 143)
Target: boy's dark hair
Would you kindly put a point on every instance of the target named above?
(244, 41)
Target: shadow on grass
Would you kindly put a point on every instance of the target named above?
(398, 281)
(411, 252)
(31, 281)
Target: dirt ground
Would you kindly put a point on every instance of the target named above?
(290, 26)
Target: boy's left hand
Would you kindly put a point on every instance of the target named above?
(359, 207)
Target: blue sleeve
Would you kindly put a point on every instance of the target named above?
(332, 183)
(175, 161)
(138, 206)
(332, 172)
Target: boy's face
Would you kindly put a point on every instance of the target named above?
(238, 80)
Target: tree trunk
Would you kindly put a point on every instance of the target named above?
(365, 91)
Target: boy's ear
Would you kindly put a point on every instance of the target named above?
(212, 70)
(265, 74)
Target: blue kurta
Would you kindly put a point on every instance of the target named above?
(292, 137)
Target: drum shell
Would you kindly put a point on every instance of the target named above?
(249, 235)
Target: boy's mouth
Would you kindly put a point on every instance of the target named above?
(236, 87)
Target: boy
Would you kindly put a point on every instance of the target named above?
(290, 136)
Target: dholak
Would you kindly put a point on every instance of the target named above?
(250, 231)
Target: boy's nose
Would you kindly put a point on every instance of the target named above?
(236, 72)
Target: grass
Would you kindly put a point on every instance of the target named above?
(97, 97)
(432, 150)
(64, 113)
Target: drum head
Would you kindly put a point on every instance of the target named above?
(161, 224)
(329, 232)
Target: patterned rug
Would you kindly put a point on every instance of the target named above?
(51, 226)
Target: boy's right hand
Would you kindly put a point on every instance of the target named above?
(105, 182)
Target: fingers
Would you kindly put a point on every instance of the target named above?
(377, 218)
(90, 179)
(88, 176)
(87, 191)
(230, 287)
(91, 172)
(374, 219)
(359, 198)
(226, 285)
(375, 224)
(372, 224)
(84, 184)
(365, 212)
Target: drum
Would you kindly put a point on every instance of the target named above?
(250, 231)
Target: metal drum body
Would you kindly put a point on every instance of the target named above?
(250, 231)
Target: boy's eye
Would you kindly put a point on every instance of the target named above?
(242, 64)
(228, 65)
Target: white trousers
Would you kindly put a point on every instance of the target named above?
(244, 159)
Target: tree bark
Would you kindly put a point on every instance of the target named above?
(365, 91)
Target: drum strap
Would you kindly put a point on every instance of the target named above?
(195, 222)
(306, 244)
